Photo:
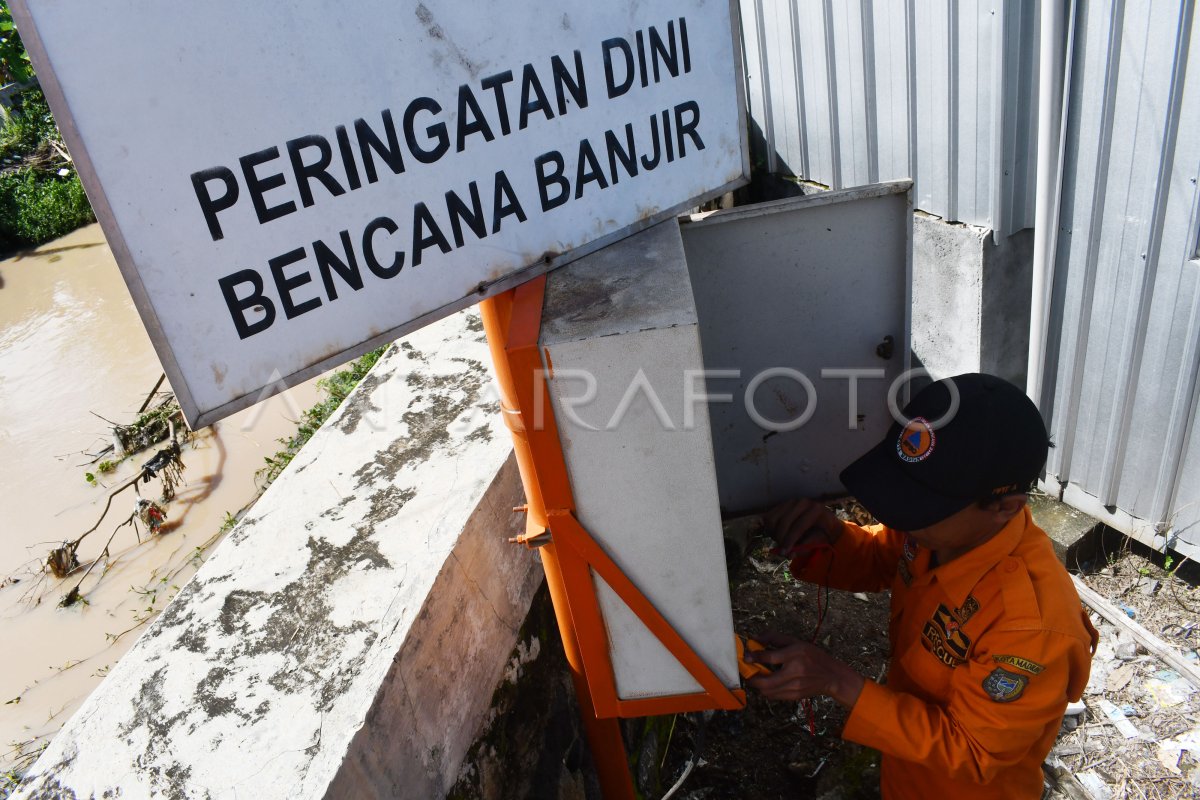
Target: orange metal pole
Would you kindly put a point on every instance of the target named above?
(603, 735)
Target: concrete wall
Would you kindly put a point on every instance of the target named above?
(346, 639)
(533, 746)
(971, 299)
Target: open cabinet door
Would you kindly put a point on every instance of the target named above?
(794, 299)
(787, 299)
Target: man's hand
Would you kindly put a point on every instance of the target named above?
(795, 523)
(803, 670)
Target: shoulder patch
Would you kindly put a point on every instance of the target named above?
(1004, 686)
(943, 636)
(1032, 667)
(968, 609)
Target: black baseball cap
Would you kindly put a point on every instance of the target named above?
(963, 439)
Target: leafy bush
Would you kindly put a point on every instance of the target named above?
(41, 197)
(28, 128)
(14, 61)
(36, 207)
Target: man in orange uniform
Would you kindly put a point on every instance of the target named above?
(988, 638)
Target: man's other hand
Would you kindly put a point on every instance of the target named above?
(803, 670)
(796, 523)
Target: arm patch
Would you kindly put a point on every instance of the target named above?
(1004, 686)
(1032, 667)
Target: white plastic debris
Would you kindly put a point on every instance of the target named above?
(1075, 709)
(1095, 785)
(1126, 648)
(1117, 717)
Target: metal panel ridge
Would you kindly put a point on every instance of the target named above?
(848, 94)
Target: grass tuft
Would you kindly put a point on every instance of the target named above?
(336, 388)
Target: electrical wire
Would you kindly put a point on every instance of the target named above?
(691, 764)
(823, 599)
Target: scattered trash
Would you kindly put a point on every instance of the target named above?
(1170, 750)
(862, 596)
(1119, 678)
(1126, 651)
(1140, 739)
(150, 514)
(1075, 709)
(1148, 586)
(766, 569)
(1117, 717)
(1168, 688)
(1129, 612)
(1177, 631)
(1090, 746)
(1095, 785)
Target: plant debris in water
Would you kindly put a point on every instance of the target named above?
(150, 428)
(163, 422)
(62, 561)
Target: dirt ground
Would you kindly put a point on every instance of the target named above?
(768, 748)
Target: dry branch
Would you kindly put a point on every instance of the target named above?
(1148, 640)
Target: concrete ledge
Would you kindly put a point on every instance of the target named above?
(971, 299)
(1068, 528)
(346, 639)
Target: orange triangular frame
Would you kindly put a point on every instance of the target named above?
(551, 524)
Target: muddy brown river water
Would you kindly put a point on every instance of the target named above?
(72, 345)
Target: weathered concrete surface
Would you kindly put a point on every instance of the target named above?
(971, 299)
(345, 640)
(1068, 528)
(532, 746)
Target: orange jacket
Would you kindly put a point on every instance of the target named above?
(985, 653)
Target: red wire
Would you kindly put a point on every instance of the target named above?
(822, 610)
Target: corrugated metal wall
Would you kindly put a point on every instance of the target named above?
(1124, 354)
(850, 92)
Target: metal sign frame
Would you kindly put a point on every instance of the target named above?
(512, 322)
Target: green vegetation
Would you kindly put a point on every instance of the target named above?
(14, 61)
(336, 387)
(150, 428)
(41, 197)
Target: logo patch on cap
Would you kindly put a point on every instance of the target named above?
(916, 441)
